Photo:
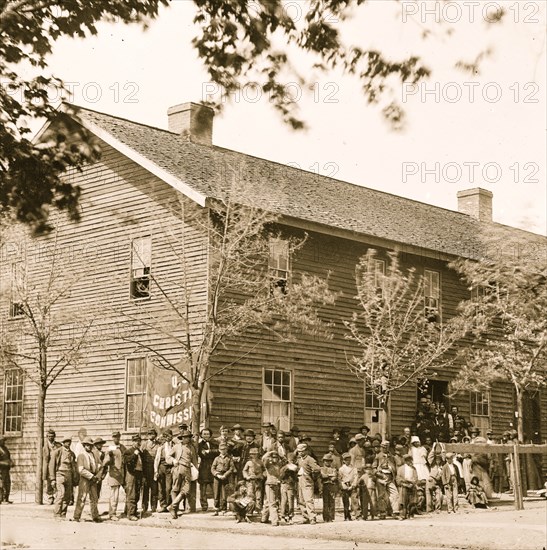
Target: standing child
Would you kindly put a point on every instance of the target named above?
(329, 483)
(289, 480)
(253, 475)
(242, 504)
(407, 478)
(272, 487)
(449, 479)
(347, 479)
(369, 500)
(223, 469)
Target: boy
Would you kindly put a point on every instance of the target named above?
(222, 469)
(253, 475)
(242, 503)
(347, 479)
(329, 482)
(289, 480)
(367, 484)
(272, 488)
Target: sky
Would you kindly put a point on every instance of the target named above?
(485, 130)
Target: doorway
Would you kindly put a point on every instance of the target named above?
(437, 389)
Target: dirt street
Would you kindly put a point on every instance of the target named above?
(31, 526)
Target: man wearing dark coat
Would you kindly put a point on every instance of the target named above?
(207, 451)
(49, 446)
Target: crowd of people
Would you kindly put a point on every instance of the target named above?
(272, 474)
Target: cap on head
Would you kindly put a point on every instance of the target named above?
(185, 433)
(98, 440)
(223, 446)
(449, 455)
(359, 437)
(267, 425)
(301, 447)
(407, 457)
(116, 433)
(363, 427)
(328, 457)
(51, 432)
(152, 431)
(87, 441)
(415, 439)
(237, 427)
(250, 433)
(305, 437)
(346, 455)
(253, 451)
(136, 437)
(295, 430)
(65, 439)
(168, 432)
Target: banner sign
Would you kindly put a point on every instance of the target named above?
(168, 397)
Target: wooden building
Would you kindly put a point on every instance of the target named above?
(131, 215)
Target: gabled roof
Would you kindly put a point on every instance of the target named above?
(204, 172)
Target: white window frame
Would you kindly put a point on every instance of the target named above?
(141, 266)
(279, 273)
(277, 421)
(481, 421)
(17, 283)
(129, 394)
(373, 417)
(432, 295)
(9, 400)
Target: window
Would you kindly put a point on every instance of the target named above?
(276, 398)
(480, 410)
(432, 295)
(136, 393)
(278, 265)
(17, 282)
(141, 256)
(373, 416)
(13, 401)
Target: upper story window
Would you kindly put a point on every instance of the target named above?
(13, 401)
(17, 282)
(278, 264)
(379, 274)
(432, 295)
(141, 259)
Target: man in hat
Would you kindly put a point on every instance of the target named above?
(459, 422)
(163, 470)
(113, 464)
(133, 464)
(183, 457)
(474, 432)
(407, 480)
(341, 445)
(449, 479)
(357, 454)
(364, 430)
(207, 452)
(294, 439)
(329, 484)
(223, 470)
(49, 446)
(5, 467)
(62, 469)
(87, 469)
(99, 455)
(308, 471)
(249, 443)
(348, 479)
(149, 484)
(266, 440)
(235, 446)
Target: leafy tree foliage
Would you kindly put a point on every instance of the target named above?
(399, 341)
(507, 316)
(238, 41)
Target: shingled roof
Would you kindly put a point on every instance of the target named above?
(295, 193)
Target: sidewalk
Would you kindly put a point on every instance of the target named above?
(503, 528)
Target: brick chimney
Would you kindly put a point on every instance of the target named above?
(193, 121)
(477, 203)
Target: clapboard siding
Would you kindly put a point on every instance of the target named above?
(120, 201)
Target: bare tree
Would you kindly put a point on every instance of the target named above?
(46, 336)
(400, 338)
(248, 301)
(507, 316)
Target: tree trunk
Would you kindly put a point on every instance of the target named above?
(520, 408)
(39, 493)
(197, 394)
(386, 418)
